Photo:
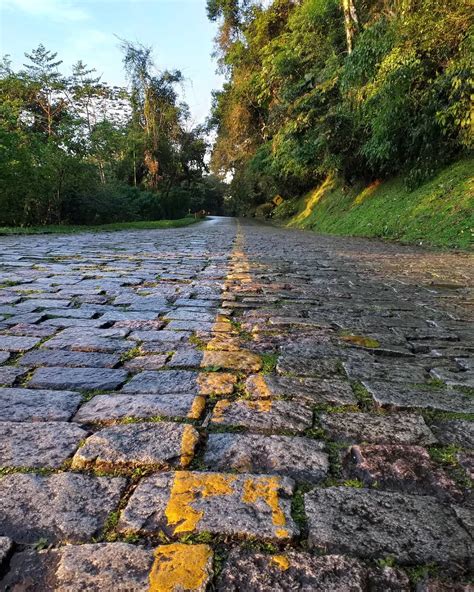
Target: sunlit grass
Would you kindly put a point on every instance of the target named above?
(70, 229)
(440, 212)
(312, 199)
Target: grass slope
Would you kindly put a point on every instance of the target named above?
(440, 212)
(70, 229)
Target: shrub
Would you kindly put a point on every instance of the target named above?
(264, 210)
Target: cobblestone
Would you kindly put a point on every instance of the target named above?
(220, 503)
(63, 507)
(38, 445)
(364, 523)
(190, 385)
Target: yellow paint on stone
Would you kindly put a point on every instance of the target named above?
(188, 444)
(217, 383)
(281, 561)
(266, 489)
(238, 360)
(243, 278)
(223, 342)
(197, 407)
(219, 410)
(186, 488)
(179, 567)
(220, 327)
(258, 387)
(261, 406)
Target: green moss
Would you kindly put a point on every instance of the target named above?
(447, 457)
(201, 538)
(130, 354)
(259, 546)
(220, 555)
(431, 415)
(269, 362)
(34, 470)
(334, 450)
(418, 573)
(88, 395)
(356, 483)
(297, 508)
(197, 341)
(41, 544)
(364, 398)
(109, 533)
(389, 561)
(440, 212)
(361, 341)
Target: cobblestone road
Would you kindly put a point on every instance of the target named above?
(236, 407)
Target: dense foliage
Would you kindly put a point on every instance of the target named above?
(75, 150)
(360, 89)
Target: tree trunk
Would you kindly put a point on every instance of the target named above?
(351, 23)
(134, 169)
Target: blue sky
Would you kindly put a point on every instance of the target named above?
(178, 31)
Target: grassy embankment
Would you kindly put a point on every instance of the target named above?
(440, 212)
(70, 229)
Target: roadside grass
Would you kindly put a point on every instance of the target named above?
(440, 212)
(72, 229)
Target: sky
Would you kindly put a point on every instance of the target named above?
(177, 30)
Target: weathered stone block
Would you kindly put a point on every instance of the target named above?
(36, 445)
(102, 567)
(454, 431)
(263, 415)
(146, 363)
(78, 378)
(255, 572)
(398, 428)
(14, 343)
(244, 361)
(301, 366)
(110, 408)
(315, 391)
(375, 524)
(69, 359)
(162, 383)
(396, 396)
(9, 374)
(63, 507)
(146, 445)
(19, 404)
(399, 468)
(180, 567)
(191, 502)
(299, 458)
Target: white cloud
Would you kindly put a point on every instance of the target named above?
(58, 10)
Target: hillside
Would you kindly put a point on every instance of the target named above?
(440, 212)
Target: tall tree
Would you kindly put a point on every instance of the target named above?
(154, 104)
(351, 22)
(48, 87)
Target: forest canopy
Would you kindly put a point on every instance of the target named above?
(74, 149)
(359, 89)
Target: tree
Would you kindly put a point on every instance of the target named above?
(48, 100)
(73, 149)
(351, 23)
(155, 109)
(360, 89)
